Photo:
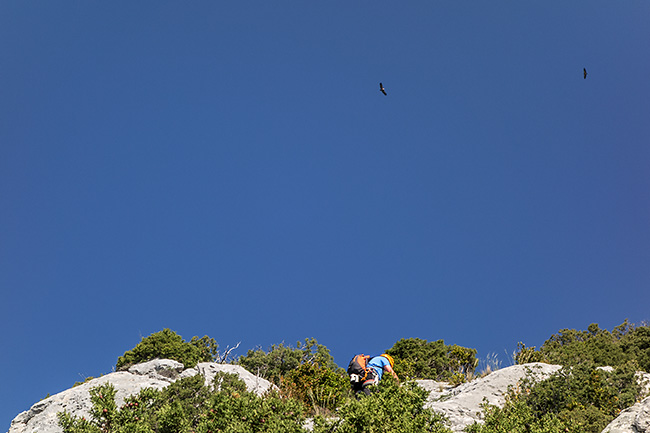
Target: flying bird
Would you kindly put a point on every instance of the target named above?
(381, 89)
(584, 72)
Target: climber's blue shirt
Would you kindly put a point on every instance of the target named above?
(378, 363)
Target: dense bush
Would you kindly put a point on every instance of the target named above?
(188, 406)
(515, 417)
(625, 343)
(421, 359)
(578, 399)
(321, 388)
(166, 344)
(279, 360)
(526, 355)
(306, 372)
(390, 409)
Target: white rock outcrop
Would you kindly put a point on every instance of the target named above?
(253, 383)
(462, 404)
(159, 373)
(162, 369)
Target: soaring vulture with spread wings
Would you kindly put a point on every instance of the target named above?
(381, 89)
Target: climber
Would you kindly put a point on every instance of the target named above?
(374, 370)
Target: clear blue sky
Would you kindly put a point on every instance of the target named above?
(231, 169)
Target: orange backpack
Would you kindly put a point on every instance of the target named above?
(358, 368)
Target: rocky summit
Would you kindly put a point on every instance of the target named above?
(461, 404)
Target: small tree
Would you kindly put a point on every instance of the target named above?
(421, 359)
(166, 344)
(318, 387)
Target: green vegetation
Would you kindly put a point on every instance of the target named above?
(578, 399)
(625, 343)
(187, 406)
(526, 355)
(279, 360)
(166, 344)
(389, 409)
(581, 397)
(306, 372)
(320, 388)
(310, 384)
(420, 359)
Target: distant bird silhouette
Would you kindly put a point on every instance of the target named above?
(584, 72)
(381, 89)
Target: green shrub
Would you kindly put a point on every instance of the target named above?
(171, 418)
(166, 344)
(525, 355)
(462, 360)
(103, 413)
(235, 412)
(457, 379)
(306, 373)
(627, 342)
(420, 359)
(390, 409)
(271, 365)
(279, 360)
(185, 398)
(228, 382)
(636, 344)
(320, 388)
(515, 417)
(138, 413)
(70, 424)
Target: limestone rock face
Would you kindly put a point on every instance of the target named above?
(634, 419)
(162, 369)
(462, 404)
(253, 383)
(41, 417)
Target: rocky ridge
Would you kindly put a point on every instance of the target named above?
(156, 374)
(461, 404)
